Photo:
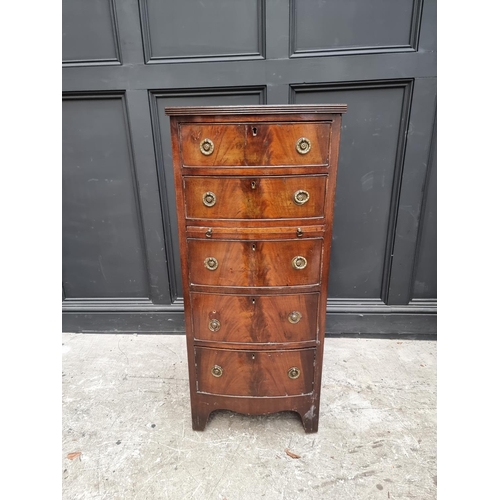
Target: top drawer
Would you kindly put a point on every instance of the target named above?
(255, 144)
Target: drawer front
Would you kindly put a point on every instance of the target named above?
(255, 197)
(254, 144)
(254, 263)
(254, 373)
(262, 319)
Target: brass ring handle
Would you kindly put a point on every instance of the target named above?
(303, 145)
(294, 373)
(301, 196)
(207, 147)
(217, 371)
(294, 317)
(214, 325)
(299, 262)
(211, 263)
(209, 199)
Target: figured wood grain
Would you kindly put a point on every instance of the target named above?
(254, 263)
(255, 197)
(259, 319)
(254, 373)
(253, 144)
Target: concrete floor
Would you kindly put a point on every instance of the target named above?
(127, 427)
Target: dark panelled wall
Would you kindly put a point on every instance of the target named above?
(124, 61)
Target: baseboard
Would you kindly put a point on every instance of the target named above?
(381, 325)
(122, 322)
(371, 324)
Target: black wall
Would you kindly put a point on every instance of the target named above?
(124, 61)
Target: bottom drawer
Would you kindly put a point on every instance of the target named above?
(254, 373)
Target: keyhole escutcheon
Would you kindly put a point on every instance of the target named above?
(254, 131)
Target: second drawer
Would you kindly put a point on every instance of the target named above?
(293, 197)
(254, 318)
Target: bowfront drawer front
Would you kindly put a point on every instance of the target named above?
(254, 144)
(255, 197)
(254, 373)
(260, 319)
(257, 263)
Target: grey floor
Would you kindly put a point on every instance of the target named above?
(127, 431)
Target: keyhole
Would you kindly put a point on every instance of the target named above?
(253, 247)
(254, 131)
(253, 356)
(253, 301)
(253, 184)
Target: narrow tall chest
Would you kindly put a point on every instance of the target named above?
(255, 190)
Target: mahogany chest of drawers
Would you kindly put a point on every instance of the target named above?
(255, 189)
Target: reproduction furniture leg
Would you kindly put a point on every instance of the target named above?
(200, 418)
(310, 420)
